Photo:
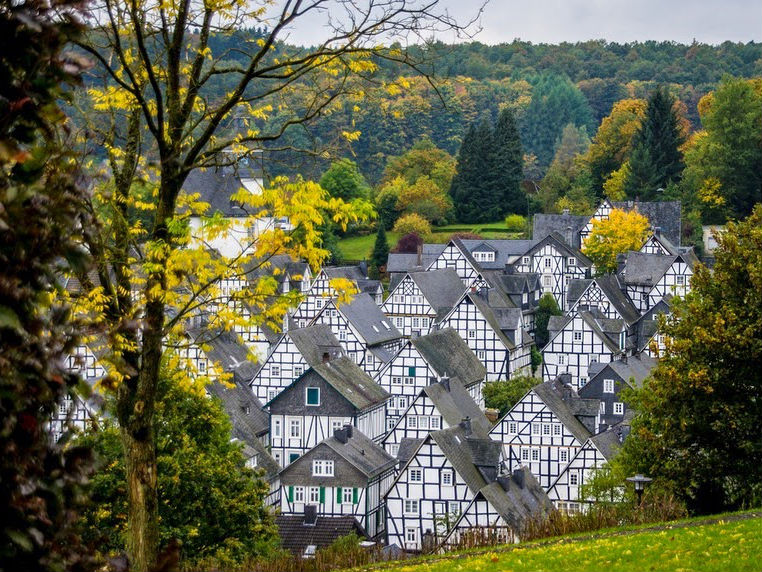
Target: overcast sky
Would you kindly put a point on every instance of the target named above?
(554, 21)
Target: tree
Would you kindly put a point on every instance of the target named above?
(546, 308)
(621, 232)
(697, 425)
(380, 248)
(408, 243)
(344, 181)
(471, 188)
(413, 223)
(656, 159)
(387, 201)
(504, 394)
(565, 167)
(209, 499)
(423, 159)
(41, 483)
(162, 115)
(507, 165)
(426, 199)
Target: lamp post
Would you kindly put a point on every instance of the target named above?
(640, 483)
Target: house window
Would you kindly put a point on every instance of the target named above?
(416, 475)
(524, 298)
(313, 396)
(411, 536)
(411, 506)
(275, 370)
(409, 380)
(556, 429)
(390, 423)
(471, 334)
(572, 261)
(318, 303)
(411, 371)
(423, 422)
(546, 429)
(412, 422)
(322, 468)
(536, 428)
(618, 408)
(546, 262)
(525, 260)
(608, 386)
(574, 478)
(298, 494)
(292, 457)
(563, 456)
(295, 428)
(396, 381)
(314, 495)
(298, 370)
(577, 336)
(513, 428)
(336, 424)
(348, 495)
(394, 449)
(680, 280)
(546, 281)
(481, 354)
(561, 359)
(343, 335)
(416, 323)
(277, 428)
(524, 454)
(447, 478)
(535, 455)
(202, 366)
(436, 424)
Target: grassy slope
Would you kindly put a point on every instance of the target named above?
(360, 247)
(726, 546)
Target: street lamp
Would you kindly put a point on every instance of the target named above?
(640, 483)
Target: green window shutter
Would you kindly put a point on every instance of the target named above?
(354, 495)
(411, 371)
(290, 494)
(338, 495)
(322, 495)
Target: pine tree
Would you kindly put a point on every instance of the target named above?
(656, 159)
(507, 166)
(380, 249)
(470, 189)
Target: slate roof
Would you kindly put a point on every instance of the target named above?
(371, 323)
(645, 269)
(562, 401)
(454, 403)
(228, 351)
(351, 382)
(609, 441)
(609, 284)
(216, 185)
(665, 215)
(636, 367)
(295, 536)
(544, 225)
(473, 455)
(560, 244)
(501, 315)
(504, 250)
(313, 341)
(407, 449)
(607, 329)
(265, 462)
(517, 497)
(248, 418)
(408, 262)
(447, 353)
(285, 264)
(441, 288)
(348, 272)
(646, 326)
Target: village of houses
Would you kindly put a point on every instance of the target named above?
(368, 416)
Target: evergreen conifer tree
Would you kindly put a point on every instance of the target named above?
(472, 184)
(380, 249)
(656, 159)
(507, 166)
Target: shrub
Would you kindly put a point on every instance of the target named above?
(408, 244)
(516, 223)
(413, 222)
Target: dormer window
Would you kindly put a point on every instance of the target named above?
(484, 256)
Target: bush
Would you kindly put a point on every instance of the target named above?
(413, 223)
(516, 223)
(408, 244)
(503, 395)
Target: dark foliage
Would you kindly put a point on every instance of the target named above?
(507, 165)
(380, 248)
(408, 243)
(547, 308)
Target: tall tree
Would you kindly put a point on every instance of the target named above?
(698, 415)
(164, 114)
(41, 218)
(546, 308)
(380, 248)
(656, 159)
(507, 165)
(471, 188)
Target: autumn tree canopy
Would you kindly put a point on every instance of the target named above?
(620, 232)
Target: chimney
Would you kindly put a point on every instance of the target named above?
(466, 425)
(341, 435)
(348, 429)
(419, 253)
(623, 359)
(621, 261)
(326, 357)
(310, 515)
(445, 381)
(657, 231)
(631, 204)
(518, 477)
(505, 482)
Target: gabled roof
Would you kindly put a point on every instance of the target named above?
(369, 321)
(351, 382)
(607, 329)
(647, 269)
(473, 454)
(454, 403)
(504, 250)
(441, 288)
(517, 497)
(408, 448)
(227, 350)
(348, 272)
(636, 368)
(295, 536)
(665, 215)
(544, 225)
(279, 266)
(244, 409)
(216, 185)
(558, 242)
(609, 285)
(563, 401)
(408, 262)
(447, 353)
(646, 327)
(609, 441)
(264, 461)
(314, 341)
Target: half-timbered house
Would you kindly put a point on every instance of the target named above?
(326, 397)
(556, 263)
(442, 353)
(366, 334)
(441, 404)
(291, 356)
(304, 534)
(420, 299)
(578, 340)
(545, 429)
(664, 217)
(400, 263)
(644, 336)
(345, 474)
(604, 293)
(567, 226)
(607, 382)
(647, 278)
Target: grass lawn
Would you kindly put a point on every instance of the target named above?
(727, 546)
(360, 247)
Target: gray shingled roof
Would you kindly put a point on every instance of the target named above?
(560, 244)
(609, 284)
(408, 262)
(369, 321)
(636, 367)
(216, 185)
(295, 536)
(227, 350)
(441, 288)
(348, 272)
(517, 498)
(544, 225)
(560, 400)
(646, 326)
(608, 442)
(473, 455)
(645, 269)
(265, 462)
(500, 319)
(351, 382)
(313, 341)
(362, 453)
(447, 353)
(245, 411)
(608, 330)
(455, 403)
(407, 449)
(504, 249)
(665, 215)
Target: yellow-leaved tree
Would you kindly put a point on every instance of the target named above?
(621, 232)
(181, 86)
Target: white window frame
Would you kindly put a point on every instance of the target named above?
(416, 475)
(412, 507)
(306, 397)
(322, 468)
(618, 408)
(608, 386)
(294, 424)
(347, 494)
